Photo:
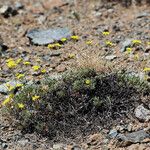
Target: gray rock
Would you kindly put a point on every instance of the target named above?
(41, 19)
(4, 145)
(134, 137)
(111, 57)
(59, 146)
(125, 44)
(113, 133)
(142, 113)
(23, 142)
(4, 89)
(19, 5)
(55, 53)
(143, 14)
(44, 37)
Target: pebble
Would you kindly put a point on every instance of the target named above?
(142, 113)
(113, 133)
(111, 57)
(125, 44)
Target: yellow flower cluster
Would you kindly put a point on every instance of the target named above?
(55, 45)
(75, 37)
(89, 42)
(34, 98)
(138, 42)
(106, 33)
(109, 43)
(11, 63)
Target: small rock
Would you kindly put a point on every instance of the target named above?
(134, 137)
(23, 142)
(19, 5)
(111, 57)
(142, 113)
(129, 127)
(61, 68)
(56, 53)
(4, 145)
(41, 19)
(113, 133)
(125, 44)
(59, 146)
(44, 37)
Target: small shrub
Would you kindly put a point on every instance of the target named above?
(77, 103)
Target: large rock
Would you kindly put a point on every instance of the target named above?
(44, 37)
(142, 113)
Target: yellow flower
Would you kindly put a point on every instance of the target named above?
(57, 45)
(19, 85)
(75, 37)
(63, 39)
(18, 60)
(43, 70)
(128, 50)
(106, 33)
(88, 82)
(51, 46)
(19, 76)
(71, 56)
(136, 42)
(20, 105)
(11, 63)
(36, 68)
(89, 42)
(146, 69)
(109, 43)
(26, 63)
(10, 87)
(148, 43)
(7, 100)
(34, 98)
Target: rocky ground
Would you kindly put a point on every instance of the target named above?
(102, 34)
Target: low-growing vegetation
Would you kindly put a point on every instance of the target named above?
(77, 104)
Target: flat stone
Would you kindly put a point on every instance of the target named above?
(4, 89)
(44, 37)
(134, 137)
(142, 113)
